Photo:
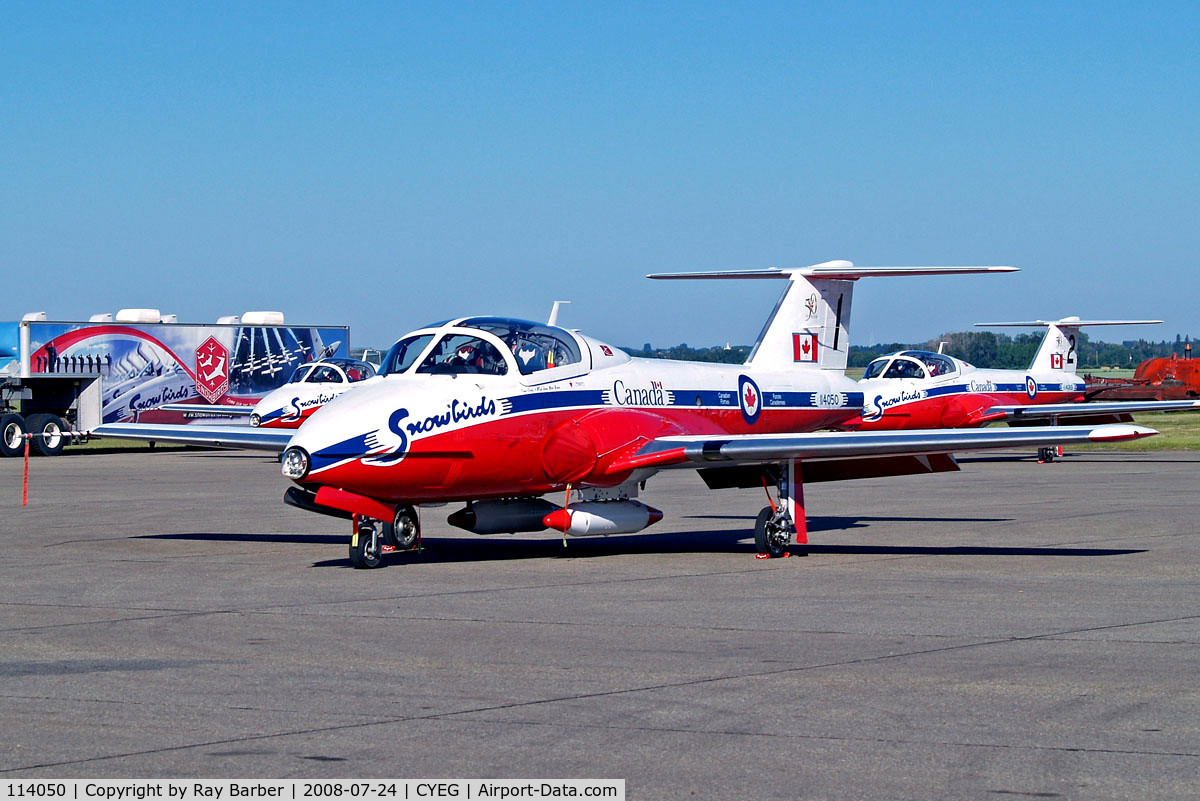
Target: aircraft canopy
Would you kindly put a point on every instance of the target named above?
(332, 371)
(455, 348)
(910, 364)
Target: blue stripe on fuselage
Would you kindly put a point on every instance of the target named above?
(678, 398)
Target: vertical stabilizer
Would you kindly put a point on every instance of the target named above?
(1058, 351)
(809, 327)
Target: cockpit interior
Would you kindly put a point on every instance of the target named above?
(332, 371)
(910, 364)
(483, 345)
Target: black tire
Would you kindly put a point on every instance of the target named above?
(362, 555)
(12, 435)
(404, 531)
(768, 537)
(48, 434)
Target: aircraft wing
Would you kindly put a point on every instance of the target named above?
(1099, 408)
(704, 451)
(213, 409)
(244, 437)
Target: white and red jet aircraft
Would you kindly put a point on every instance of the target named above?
(497, 413)
(918, 389)
(310, 387)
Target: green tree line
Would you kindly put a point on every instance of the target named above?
(980, 348)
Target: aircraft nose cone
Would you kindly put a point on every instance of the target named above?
(360, 422)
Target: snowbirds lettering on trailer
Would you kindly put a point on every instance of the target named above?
(496, 413)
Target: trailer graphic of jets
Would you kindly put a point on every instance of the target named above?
(310, 387)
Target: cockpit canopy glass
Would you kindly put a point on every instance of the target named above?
(535, 346)
(323, 372)
(355, 369)
(401, 355)
(456, 354)
(935, 363)
(910, 364)
(875, 368)
(904, 368)
(300, 373)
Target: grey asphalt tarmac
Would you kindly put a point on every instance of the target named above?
(1010, 631)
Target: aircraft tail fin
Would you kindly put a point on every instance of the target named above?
(809, 328)
(1057, 353)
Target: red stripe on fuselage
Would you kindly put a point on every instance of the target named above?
(284, 421)
(507, 455)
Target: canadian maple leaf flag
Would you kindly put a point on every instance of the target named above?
(804, 347)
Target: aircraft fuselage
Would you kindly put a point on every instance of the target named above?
(417, 438)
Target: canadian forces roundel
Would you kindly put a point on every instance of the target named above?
(1030, 387)
(749, 398)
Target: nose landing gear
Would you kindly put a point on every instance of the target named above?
(775, 523)
(365, 543)
(371, 539)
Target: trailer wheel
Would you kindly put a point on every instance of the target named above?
(48, 437)
(12, 435)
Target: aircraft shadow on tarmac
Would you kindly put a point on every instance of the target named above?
(330, 539)
(840, 523)
(437, 550)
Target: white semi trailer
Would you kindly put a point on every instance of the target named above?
(58, 377)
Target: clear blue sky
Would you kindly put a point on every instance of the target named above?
(386, 165)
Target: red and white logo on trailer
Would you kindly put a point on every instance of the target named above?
(804, 347)
(212, 370)
(1056, 361)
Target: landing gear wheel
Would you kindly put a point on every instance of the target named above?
(365, 547)
(1046, 454)
(404, 532)
(48, 437)
(772, 532)
(12, 435)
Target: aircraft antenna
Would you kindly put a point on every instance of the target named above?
(554, 312)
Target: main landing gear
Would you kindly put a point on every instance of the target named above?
(772, 533)
(371, 539)
(1049, 454)
(775, 523)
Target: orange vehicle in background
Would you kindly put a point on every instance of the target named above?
(1160, 378)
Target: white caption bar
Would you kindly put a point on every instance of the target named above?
(310, 789)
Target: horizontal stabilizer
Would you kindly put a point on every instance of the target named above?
(843, 270)
(1069, 322)
(809, 329)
